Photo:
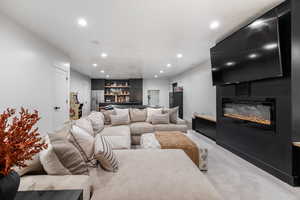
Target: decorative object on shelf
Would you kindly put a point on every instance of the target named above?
(117, 91)
(75, 107)
(19, 142)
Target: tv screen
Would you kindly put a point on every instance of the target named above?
(252, 53)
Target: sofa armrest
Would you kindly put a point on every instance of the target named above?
(181, 121)
(50, 182)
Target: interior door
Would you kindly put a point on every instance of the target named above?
(61, 96)
(153, 97)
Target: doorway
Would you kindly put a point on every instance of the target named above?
(153, 97)
(61, 98)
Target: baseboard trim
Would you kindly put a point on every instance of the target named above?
(291, 180)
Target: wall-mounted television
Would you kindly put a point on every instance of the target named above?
(252, 53)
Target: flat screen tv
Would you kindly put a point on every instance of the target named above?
(252, 53)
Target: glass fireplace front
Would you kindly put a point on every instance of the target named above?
(258, 113)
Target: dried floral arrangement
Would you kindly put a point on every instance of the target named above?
(19, 140)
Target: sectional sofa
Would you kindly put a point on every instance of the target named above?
(143, 174)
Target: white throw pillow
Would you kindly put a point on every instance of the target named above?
(83, 141)
(97, 120)
(122, 112)
(117, 120)
(151, 111)
(105, 155)
(85, 124)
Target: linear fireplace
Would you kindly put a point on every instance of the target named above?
(253, 113)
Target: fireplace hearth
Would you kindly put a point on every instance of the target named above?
(250, 112)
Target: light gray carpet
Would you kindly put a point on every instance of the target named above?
(237, 179)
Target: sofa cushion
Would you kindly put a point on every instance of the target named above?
(138, 115)
(123, 130)
(161, 174)
(119, 119)
(139, 128)
(107, 114)
(48, 182)
(122, 112)
(97, 120)
(170, 127)
(160, 118)
(105, 155)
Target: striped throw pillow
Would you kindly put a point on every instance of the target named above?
(105, 155)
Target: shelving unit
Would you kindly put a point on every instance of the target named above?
(117, 91)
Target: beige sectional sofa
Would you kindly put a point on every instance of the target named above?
(143, 174)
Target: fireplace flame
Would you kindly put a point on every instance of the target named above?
(249, 118)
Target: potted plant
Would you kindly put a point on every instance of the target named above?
(19, 142)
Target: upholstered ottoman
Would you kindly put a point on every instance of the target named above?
(150, 141)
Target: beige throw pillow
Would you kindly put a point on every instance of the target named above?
(122, 112)
(160, 118)
(97, 120)
(173, 112)
(105, 155)
(85, 124)
(117, 120)
(138, 115)
(151, 111)
(107, 114)
(62, 158)
(84, 142)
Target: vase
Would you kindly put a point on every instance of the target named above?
(9, 186)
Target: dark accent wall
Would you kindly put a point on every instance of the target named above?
(268, 149)
(97, 84)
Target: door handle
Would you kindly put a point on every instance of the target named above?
(56, 108)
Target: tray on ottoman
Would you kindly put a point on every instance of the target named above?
(176, 140)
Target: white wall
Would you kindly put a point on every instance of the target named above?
(199, 95)
(157, 84)
(81, 84)
(26, 77)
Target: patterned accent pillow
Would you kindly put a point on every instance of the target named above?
(160, 118)
(83, 142)
(138, 115)
(62, 158)
(151, 111)
(117, 120)
(97, 120)
(105, 155)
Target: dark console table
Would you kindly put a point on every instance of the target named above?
(205, 125)
(50, 195)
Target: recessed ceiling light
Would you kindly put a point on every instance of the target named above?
(82, 22)
(230, 63)
(179, 55)
(103, 55)
(161, 71)
(169, 65)
(155, 76)
(102, 71)
(270, 46)
(214, 25)
(95, 65)
(253, 55)
(107, 76)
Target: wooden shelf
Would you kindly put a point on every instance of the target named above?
(296, 144)
(206, 117)
(116, 94)
(116, 86)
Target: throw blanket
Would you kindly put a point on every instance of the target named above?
(177, 140)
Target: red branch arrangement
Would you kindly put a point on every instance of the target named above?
(18, 140)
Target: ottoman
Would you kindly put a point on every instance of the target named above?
(150, 141)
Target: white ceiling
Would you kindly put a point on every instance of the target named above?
(139, 36)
